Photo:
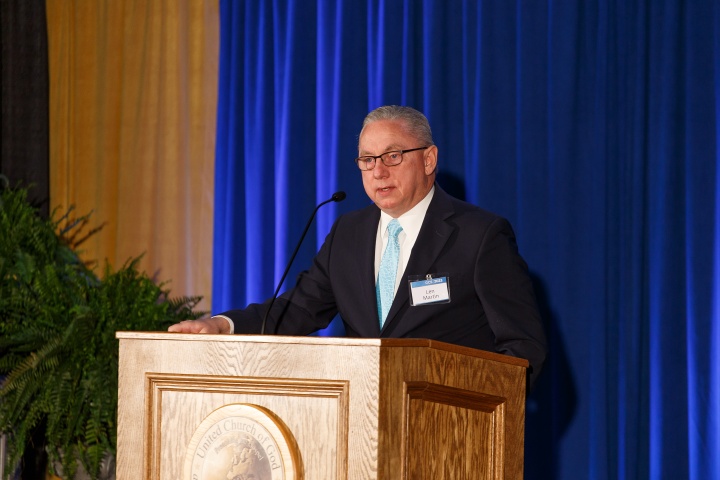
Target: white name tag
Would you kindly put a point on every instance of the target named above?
(429, 290)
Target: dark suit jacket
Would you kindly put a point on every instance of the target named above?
(492, 303)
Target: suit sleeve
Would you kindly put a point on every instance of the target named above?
(505, 289)
(307, 307)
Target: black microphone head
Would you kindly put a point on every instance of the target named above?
(338, 196)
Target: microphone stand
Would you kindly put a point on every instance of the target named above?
(336, 197)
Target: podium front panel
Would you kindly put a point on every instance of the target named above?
(343, 408)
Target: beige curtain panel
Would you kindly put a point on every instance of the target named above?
(133, 93)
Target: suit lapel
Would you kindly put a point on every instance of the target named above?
(433, 236)
(365, 235)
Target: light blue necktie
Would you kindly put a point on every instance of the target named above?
(385, 288)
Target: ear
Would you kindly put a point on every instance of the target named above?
(430, 159)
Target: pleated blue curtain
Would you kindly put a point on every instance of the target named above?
(591, 125)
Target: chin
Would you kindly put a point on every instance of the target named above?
(385, 205)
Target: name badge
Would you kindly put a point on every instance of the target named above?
(429, 289)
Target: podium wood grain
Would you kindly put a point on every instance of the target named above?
(357, 408)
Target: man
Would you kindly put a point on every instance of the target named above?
(444, 270)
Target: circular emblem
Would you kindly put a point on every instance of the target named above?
(242, 442)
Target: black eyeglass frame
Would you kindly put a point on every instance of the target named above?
(385, 159)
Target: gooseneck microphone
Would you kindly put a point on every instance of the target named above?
(336, 197)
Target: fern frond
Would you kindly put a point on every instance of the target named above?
(58, 320)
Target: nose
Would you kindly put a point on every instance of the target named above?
(380, 170)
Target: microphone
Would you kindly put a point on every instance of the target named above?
(336, 197)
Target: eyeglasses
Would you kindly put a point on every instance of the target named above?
(389, 159)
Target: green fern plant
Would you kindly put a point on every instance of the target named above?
(58, 352)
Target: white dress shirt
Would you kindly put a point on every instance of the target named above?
(410, 221)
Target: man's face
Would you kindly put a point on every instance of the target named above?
(397, 189)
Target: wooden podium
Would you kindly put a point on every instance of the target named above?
(343, 408)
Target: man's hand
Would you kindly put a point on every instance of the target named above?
(203, 325)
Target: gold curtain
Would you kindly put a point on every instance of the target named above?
(133, 93)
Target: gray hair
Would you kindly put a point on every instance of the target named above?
(416, 123)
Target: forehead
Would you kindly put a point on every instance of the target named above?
(382, 135)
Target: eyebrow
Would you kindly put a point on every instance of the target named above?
(389, 148)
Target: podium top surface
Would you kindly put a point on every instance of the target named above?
(312, 340)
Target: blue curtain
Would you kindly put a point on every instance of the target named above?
(591, 125)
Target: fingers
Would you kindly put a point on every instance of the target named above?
(189, 326)
(179, 327)
(205, 325)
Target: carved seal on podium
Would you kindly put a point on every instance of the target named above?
(241, 442)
